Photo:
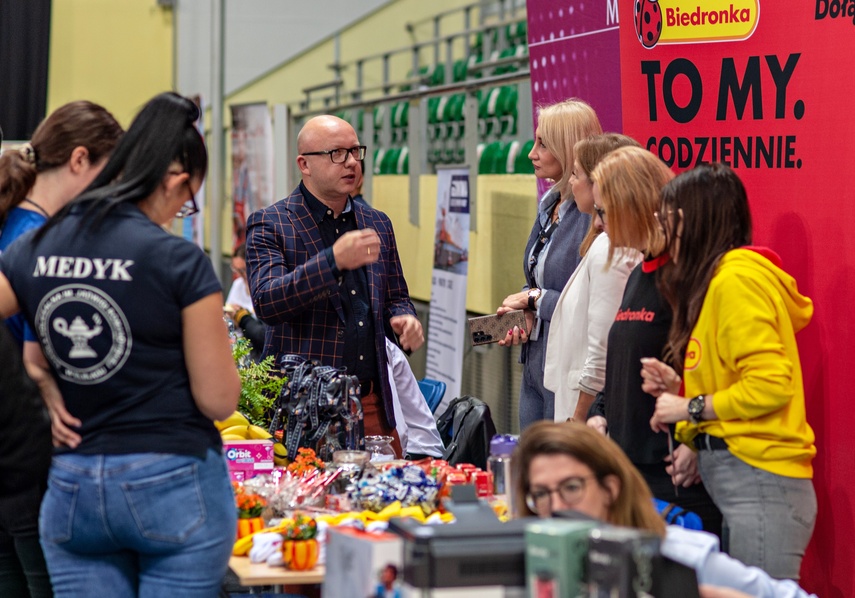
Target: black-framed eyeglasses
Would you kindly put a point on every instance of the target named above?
(339, 155)
(190, 207)
(601, 213)
(571, 490)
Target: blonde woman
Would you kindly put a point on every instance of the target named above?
(552, 251)
(575, 364)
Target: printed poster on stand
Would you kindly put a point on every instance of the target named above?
(447, 325)
(252, 164)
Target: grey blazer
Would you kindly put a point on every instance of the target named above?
(561, 259)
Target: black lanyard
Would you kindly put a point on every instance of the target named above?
(542, 240)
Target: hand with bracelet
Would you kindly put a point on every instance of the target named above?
(525, 300)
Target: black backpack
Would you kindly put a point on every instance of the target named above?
(466, 429)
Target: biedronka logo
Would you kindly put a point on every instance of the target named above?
(692, 21)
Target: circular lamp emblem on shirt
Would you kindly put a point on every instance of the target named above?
(84, 333)
(693, 354)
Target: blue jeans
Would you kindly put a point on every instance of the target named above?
(770, 517)
(536, 401)
(147, 525)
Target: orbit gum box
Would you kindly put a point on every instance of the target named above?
(248, 458)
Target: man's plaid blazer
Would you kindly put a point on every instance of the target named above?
(294, 291)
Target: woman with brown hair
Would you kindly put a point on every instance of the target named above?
(552, 252)
(68, 150)
(564, 466)
(736, 314)
(575, 363)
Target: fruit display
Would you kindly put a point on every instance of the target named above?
(238, 427)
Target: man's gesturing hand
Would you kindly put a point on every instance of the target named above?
(356, 248)
(409, 331)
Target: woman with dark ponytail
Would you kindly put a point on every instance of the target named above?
(68, 149)
(129, 318)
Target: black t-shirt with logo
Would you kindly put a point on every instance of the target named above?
(640, 330)
(106, 308)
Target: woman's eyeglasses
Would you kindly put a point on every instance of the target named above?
(570, 490)
(189, 208)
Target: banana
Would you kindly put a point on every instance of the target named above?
(281, 461)
(242, 546)
(279, 450)
(233, 437)
(242, 431)
(258, 433)
(235, 419)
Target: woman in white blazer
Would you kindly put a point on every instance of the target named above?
(575, 363)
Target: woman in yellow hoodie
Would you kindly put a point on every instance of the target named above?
(741, 400)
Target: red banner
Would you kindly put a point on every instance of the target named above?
(767, 88)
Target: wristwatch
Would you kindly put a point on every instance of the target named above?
(696, 409)
(533, 295)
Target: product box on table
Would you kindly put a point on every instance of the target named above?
(357, 562)
(248, 458)
(555, 554)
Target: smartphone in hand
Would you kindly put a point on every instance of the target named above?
(484, 330)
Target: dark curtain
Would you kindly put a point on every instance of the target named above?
(24, 45)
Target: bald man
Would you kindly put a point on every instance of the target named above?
(324, 271)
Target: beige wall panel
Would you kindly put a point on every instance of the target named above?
(117, 53)
(506, 208)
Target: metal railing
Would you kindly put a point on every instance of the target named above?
(495, 20)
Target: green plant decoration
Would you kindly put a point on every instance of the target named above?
(260, 384)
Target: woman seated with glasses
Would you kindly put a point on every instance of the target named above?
(563, 466)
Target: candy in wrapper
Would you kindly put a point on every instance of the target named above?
(409, 485)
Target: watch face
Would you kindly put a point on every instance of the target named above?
(696, 406)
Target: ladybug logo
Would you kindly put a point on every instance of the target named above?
(648, 22)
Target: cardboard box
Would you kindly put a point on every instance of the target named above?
(555, 553)
(248, 458)
(357, 562)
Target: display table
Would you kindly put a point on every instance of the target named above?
(260, 574)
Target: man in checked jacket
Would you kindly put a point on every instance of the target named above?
(324, 271)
